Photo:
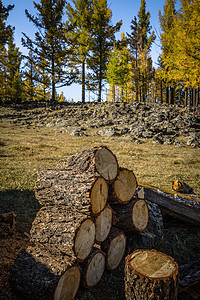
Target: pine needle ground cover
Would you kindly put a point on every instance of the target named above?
(24, 149)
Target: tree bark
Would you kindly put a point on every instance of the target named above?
(114, 247)
(98, 160)
(41, 274)
(64, 231)
(74, 190)
(83, 81)
(150, 275)
(133, 216)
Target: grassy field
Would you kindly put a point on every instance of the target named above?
(24, 150)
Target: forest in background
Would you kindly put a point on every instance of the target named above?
(83, 49)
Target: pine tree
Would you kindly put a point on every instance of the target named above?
(118, 68)
(13, 75)
(6, 31)
(79, 18)
(50, 41)
(140, 42)
(102, 38)
(134, 43)
(30, 77)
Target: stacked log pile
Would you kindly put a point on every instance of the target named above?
(89, 208)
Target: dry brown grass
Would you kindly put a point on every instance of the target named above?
(23, 151)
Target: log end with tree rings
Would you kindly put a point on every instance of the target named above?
(140, 215)
(150, 274)
(114, 247)
(106, 163)
(98, 195)
(84, 239)
(68, 284)
(103, 224)
(95, 268)
(125, 186)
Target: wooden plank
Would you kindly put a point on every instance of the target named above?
(184, 207)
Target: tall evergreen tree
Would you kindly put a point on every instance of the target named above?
(134, 42)
(50, 42)
(79, 18)
(6, 31)
(30, 76)
(140, 41)
(102, 38)
(13, 75)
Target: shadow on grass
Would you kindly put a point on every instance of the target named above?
(23, 203)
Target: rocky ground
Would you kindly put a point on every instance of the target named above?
(137, 121)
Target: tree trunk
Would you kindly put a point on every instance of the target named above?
(98, 160)
(114, 247)
(179, 206)
(83, 81)
(41, 274)
(133, 216)
(93, 268)
(65, 231)
(124, 187)
(186, 97)
(53, 89)
(161, 92)
(150, 275)
(72, 190)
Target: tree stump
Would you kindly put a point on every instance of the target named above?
(64, 230)
(124, 187)
(114, 247)
(93, 268)
(103, 224)
(40, 274)
(72, 189)
(133, 216)
(150, 275)
(98, 160)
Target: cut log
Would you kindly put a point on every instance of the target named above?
(124, 187)
(64, 230)
(114, 247)
(68, 188)
(186, 208)
(93, 268)
(103, 224)
(150, 275)
(133, 216)
(40, 274)
(151, 236)
(98, 160)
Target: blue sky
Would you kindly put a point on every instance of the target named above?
(124, 10)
